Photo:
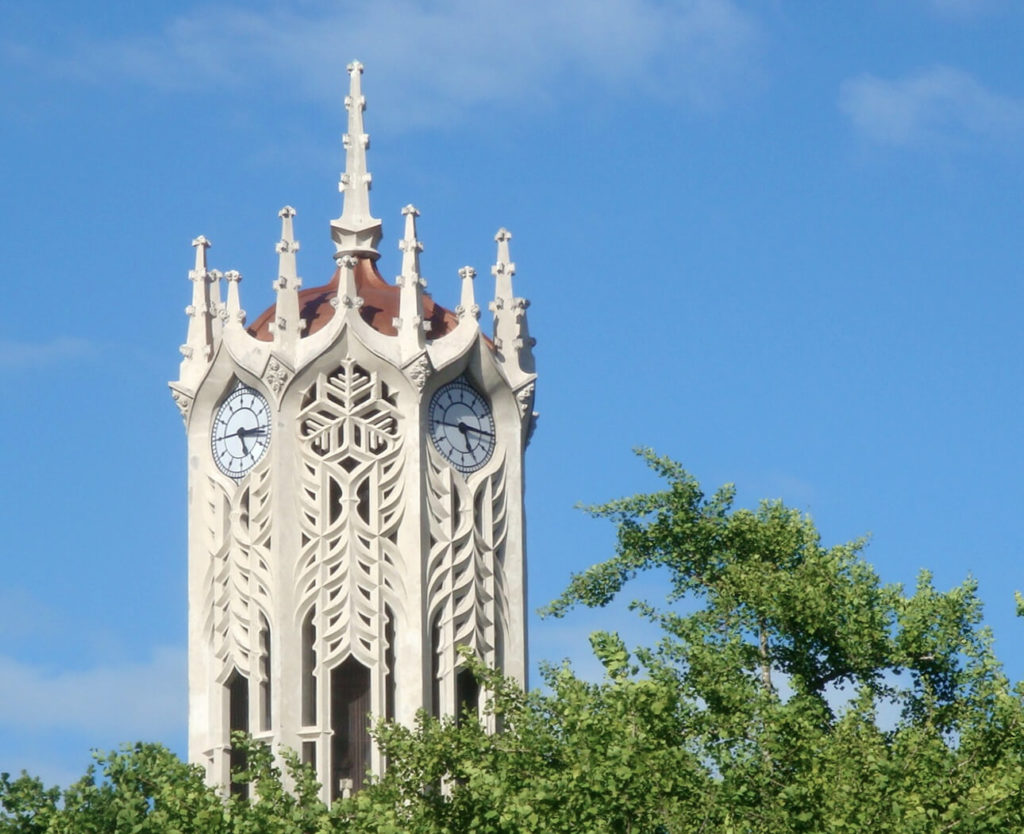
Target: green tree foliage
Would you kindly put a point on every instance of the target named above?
(791, 691)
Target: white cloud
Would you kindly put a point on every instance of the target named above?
(138, 700)
(428, 60)
(20, 355)
(937, 106)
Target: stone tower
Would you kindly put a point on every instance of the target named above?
(355, 493)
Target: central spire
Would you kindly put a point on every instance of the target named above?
(356, 232)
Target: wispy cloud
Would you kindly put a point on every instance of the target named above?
(429, 60)
(940, 106)
(140, 700)
(16, 355)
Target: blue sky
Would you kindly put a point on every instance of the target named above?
(778, 241)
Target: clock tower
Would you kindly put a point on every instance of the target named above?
(355, 493)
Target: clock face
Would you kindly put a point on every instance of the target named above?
(461, 426)
(241, 431)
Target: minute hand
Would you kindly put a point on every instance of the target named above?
(465, 427)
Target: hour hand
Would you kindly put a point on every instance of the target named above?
(465, 427)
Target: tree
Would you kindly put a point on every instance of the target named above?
(791, 691)
(785, 651)
(759, 710)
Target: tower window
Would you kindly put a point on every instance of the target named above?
(265, 693)
(389, 663)
(467, 694)
(499, 646)
(309, 753)
(435, 666)
(350, 735)
(238, 720)
(309, 669)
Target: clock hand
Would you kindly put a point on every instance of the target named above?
(241, 439)
(240, 433)
(464, 427)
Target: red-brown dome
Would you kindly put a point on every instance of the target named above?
(380, 306)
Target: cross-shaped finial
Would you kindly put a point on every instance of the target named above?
(409, 243)
(201, 244)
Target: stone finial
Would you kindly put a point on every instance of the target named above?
(233, 314)
(217, 307)
(202, 325)
(356, 231)
(287, 326)
(511, 334)
(201, 244)
(467, 303)
(410, 324)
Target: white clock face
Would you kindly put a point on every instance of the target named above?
(461, 426)
(241, 431)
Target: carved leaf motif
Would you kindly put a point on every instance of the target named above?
(465, 582)
(352, 502)
(240, 523)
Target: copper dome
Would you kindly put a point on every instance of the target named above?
(380, 306)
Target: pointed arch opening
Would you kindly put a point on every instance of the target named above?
(435, 666)
(265, 685)
(467, 695)
(237, 686)
(309, 669)
(389, 663)
(350, 731)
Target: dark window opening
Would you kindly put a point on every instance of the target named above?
(238, 720)
(309, 753)
(350, 736)
(334, 496)
(478, 511)
(309, 669)
(363, 500)
(265, 715)
(467, 696)
(499, 665)
(435, 667)
(389, 663)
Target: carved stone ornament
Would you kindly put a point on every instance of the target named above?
(524, 396)
(418, 371)
(276, 375)
(184, 403)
